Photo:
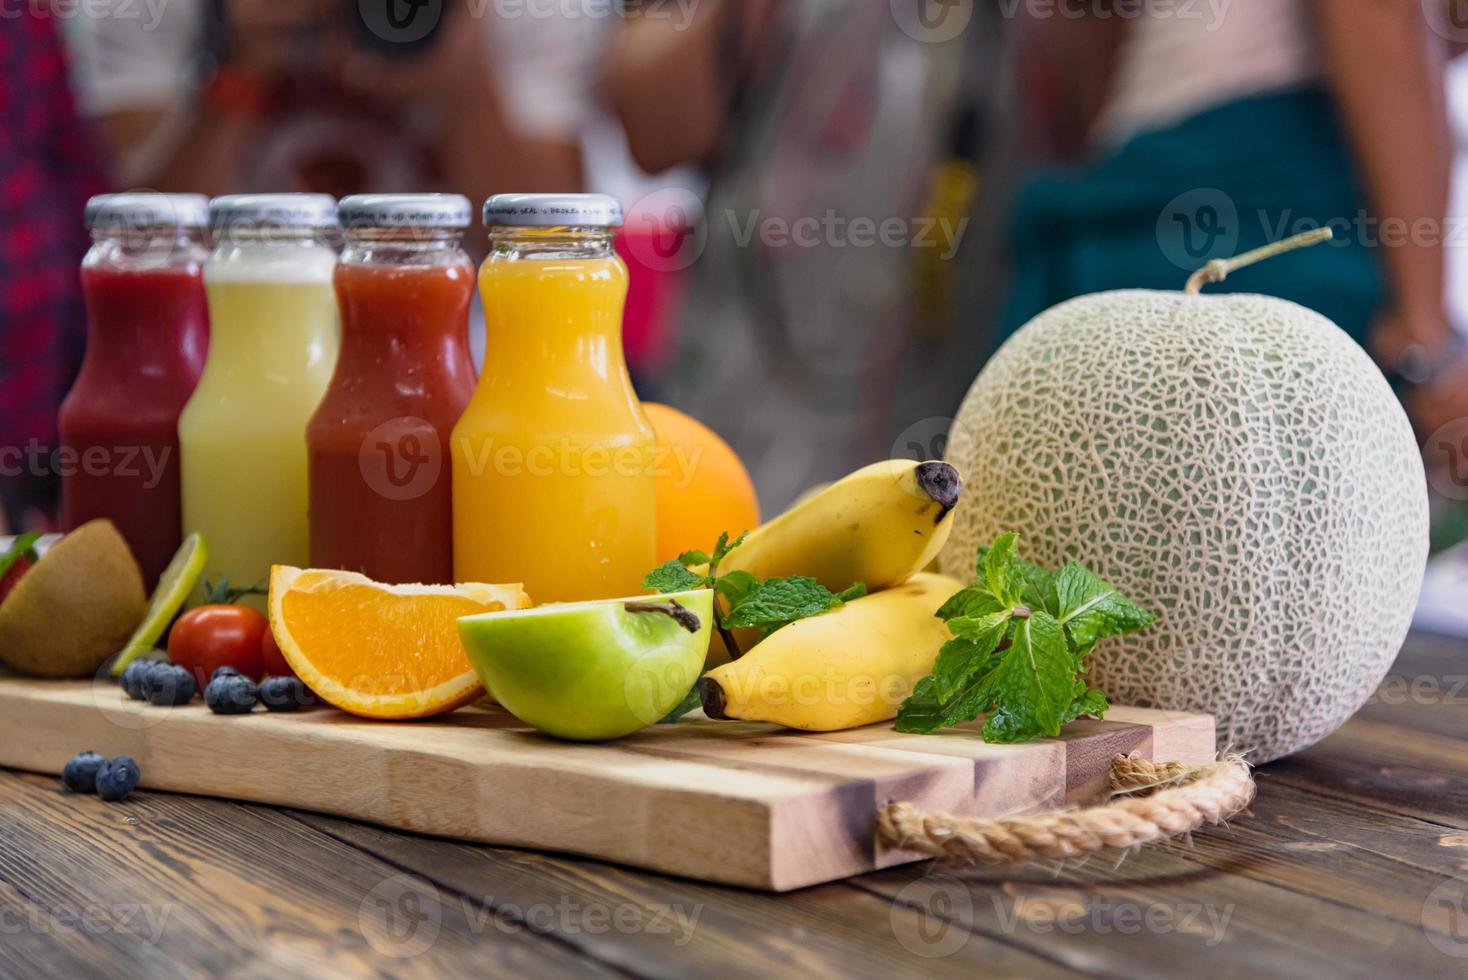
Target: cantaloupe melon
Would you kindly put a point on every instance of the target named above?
(1236, 464)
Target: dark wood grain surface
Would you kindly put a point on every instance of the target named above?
(1352, 862)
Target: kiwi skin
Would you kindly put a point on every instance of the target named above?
(75, 607)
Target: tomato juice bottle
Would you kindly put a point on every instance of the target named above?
(147, 334)
(552, 460)
(378, 444)
(273, 345)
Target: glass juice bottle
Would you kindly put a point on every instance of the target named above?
(147, 332)
(273, 345)
(553, 483)
(378, 444)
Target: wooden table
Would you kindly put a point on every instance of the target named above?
(1353, 862)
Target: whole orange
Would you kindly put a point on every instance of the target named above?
(703, 488)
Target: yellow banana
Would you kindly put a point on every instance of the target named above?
(880, 525)
(849, 667)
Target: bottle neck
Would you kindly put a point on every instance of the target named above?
(553, 311)
(432, 247)
(550, 244)
(147, 250)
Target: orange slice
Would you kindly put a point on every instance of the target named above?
(380, 651)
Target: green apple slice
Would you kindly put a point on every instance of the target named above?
(174, 586)
(591, 671)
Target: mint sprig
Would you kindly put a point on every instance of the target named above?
(744, 601)
(1021, 634)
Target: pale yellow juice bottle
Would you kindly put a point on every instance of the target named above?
(272, 348)
(552, 460)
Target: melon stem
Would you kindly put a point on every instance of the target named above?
(1218, 269)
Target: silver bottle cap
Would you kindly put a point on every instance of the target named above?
(552, 211)
(451, 211)
(273, 210)
(147, 209)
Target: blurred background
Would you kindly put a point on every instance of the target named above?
(836, 209)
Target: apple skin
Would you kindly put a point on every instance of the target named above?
(590, 671)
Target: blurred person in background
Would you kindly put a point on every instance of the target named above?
(802, 341)
(1204, 135)
(48, 168)
(228, 96)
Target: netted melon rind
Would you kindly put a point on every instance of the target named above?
(1238, 465)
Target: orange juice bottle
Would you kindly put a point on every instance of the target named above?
(552, 460)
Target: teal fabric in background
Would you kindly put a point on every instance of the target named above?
(1220, 183)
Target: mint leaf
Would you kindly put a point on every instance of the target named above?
(1091, 703)
(855, 590)
(974, 601)
(923, 711)
(1091, 609)
(998, 568)
(1023, 668)
(779, 601)
(1036, 585)
(694, 557)
(1033, 683)
(968, 653)
(722, 549)
(734, 586)
(671, 576)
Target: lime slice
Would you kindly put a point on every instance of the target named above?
(174, 586)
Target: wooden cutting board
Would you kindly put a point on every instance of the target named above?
(734, 802)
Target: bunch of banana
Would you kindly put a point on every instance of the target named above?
(849, 667)
(854, 665)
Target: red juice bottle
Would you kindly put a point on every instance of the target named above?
(147, 334)
(378, 445)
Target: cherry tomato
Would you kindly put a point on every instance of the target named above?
(272, 661)
(210, 637)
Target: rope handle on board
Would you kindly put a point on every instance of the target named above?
(1151, 801)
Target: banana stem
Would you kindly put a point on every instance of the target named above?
(1218, 269)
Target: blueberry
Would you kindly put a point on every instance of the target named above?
(232, 694)
(80, 774)
(132, 678)
(284, 694)
(117, 778)
(225, 671)
(169, 685)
